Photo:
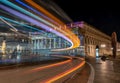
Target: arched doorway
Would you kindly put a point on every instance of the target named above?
(97, 51)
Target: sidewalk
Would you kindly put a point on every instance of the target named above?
(106, 71)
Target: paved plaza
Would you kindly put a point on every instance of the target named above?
(105, 72)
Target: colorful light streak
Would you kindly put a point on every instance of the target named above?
(12, 27)
(60, 31)
(61, 75)
(43, 11)
(13, 21)
(30, 14)
(31, 20)
(70, 35)
(61, 24)
(27, 6)
(48, 66)
(5, 13)
(40, 8)
(6, 2)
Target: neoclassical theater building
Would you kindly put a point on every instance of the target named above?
(92, 39)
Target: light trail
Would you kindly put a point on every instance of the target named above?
(13, 21)
(62, 32)
(52, 65)
(12, 27)
(61, 75)
(31, 20)
(48, 66)
(43, 11)
(6, 2)
(70, 35)
(36, 17)
(27, 6)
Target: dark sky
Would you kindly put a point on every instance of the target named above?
(104, 15)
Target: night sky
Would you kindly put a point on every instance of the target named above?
(105, 16)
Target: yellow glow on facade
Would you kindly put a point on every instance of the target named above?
(3, 48)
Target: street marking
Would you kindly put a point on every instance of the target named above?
(92, 74)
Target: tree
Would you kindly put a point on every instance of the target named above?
(114, 44)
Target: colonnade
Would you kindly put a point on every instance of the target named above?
(47, 43)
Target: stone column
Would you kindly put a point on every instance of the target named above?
(50, 43)
(42, 46)
(59, 42)
(54, 42)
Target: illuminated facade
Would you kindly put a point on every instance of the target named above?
(36, 42)
(46, 42)
(92, 37)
